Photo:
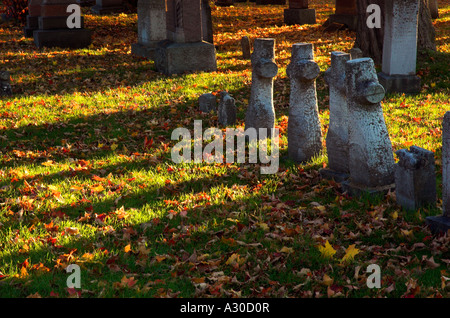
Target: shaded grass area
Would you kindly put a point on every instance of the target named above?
(86, 177)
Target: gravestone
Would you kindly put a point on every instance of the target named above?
(102, 7)
(260, 112)
(207, 102)
(441, 224)
(345, 13)
(337, 141)
(398, 72)
(434, 8)
(304, 133)
(246, 48)
(151, 27)
(299, 13)
(227, 110)
(224, 3)
(185, 50)
(371, 160)
(34, 11)
(53, 29)
(5, 84)
(415, 178)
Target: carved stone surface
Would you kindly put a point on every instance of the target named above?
(261, 112)
(304, 132)
(371, 160)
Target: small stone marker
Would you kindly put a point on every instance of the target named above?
(415, 178)
(54, 30)
(103, 7)
(151, 27)
(337, 136)
(299, 13)
(34, 11)
(5, 84)
(246, 48)
(441, 224)
(260, 112)
(356, 53)
(346, 13)
(207, 102)
(371, 160)
(185, 50)
(304, 133)
(398, 72)
(227, 110)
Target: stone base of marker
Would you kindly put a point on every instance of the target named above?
(299, 16)
(356, 191)
(107, 6)
(143, 50)
(409, 84)
(176, 58)
(32, 25)
(64, 38)
(438, 224)
(333, 175)
(350, 21)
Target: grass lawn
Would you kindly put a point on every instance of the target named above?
(86, 176)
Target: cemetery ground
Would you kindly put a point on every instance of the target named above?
(86, 176)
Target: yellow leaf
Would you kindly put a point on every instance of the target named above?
(287, 250)
(327, 251)
(113, 146)
(350, 253)
(127, 248)
(327, 280)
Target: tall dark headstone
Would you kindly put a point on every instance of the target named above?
(53, 27)
(299, 13)
(345, 13)
(185, 50)
(34, 11)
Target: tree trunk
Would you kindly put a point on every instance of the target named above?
(370, 41)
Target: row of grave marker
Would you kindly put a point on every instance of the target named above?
(358, 146)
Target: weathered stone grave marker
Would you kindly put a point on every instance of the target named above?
(442, 223)
(246, 48)
(261, 112)
(151, 27)
(227, 109)
(400, 47)
(299, 13)
(337, 141)
(185, 50)
(207, 102)
(371, 160)
(304, 133)
(415, 178)
(5, 84)
(53, 27)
